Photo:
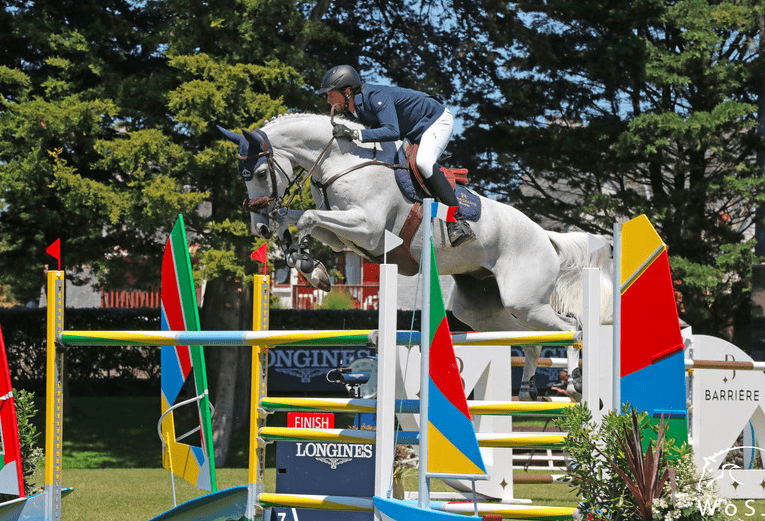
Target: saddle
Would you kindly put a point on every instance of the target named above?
(453, 175)
(412, 185)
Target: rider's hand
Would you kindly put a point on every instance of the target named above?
(340, 131)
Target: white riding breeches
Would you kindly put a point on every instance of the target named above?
(433, 143)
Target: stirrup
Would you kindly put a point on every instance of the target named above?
(459, 233)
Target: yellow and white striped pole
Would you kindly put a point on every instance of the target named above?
(258, 391)
(54, 397)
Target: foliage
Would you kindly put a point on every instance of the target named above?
(582, 114)
(405, 460)
(32, 455)
(337, 299)
(691, 502)
(617, 480)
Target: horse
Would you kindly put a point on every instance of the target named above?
(505, 280)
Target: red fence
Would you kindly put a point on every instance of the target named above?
(130, 299)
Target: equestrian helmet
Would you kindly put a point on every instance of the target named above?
(339, 77)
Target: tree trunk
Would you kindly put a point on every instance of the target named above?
(225, 308)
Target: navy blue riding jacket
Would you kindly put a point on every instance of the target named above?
(394, 113)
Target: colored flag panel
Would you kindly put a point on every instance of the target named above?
(650, 325)
(639, 242)
(11, 472)
(651, 344)
(179, 363)
(452, 444)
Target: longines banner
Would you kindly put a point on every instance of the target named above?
(307, 467)
(298, 368)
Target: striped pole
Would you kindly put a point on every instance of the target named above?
(215, 338)
(54, 406)
(724, 364)
(342, 503)
(358, 337)
(361, 405)
(355, 504)
(538, 479)
(506, 511)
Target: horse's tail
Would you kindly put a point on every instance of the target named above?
(573, 253)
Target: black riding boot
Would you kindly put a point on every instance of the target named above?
(459, 231)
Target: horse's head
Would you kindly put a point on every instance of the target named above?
(262, 175)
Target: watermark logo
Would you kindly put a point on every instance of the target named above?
(713, 473)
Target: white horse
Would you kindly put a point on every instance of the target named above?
(504, 281)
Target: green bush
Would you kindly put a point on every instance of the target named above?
(337, 299)
(620, 480)
(31, 455)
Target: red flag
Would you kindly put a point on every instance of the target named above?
(54, 250)
(261, 254)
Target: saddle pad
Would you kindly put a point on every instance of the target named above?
(470, 203)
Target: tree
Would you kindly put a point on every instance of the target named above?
(606, 110)
(236, 64)
(68, 95)
(107, 133)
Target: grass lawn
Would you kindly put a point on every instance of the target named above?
(140, 494)
(130, 494)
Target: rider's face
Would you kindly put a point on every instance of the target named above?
(336, 97)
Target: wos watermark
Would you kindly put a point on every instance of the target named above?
(712, 478)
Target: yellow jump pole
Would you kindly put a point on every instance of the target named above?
(256, 484)
(54, 401)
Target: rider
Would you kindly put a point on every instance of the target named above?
(394, 113)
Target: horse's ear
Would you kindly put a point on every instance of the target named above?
(252, 139)
(231, 136)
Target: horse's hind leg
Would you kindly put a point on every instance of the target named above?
(574, 386)
(477, 303)
(528, 391)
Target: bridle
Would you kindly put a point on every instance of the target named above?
(259, 203)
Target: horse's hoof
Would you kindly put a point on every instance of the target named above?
(528, 392)
(319, 277)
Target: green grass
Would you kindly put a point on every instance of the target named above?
(119, 432)
(132, 494)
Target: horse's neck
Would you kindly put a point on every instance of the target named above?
(304, 141)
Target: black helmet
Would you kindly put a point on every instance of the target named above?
(339, 77)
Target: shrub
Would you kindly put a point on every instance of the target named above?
(31, 454)
(619, 480)
(338, 299)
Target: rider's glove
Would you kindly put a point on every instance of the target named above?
(340, 131)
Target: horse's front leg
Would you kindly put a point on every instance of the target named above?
(333, 228)
(282, 220)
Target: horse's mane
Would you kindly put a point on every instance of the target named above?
(307, 115)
